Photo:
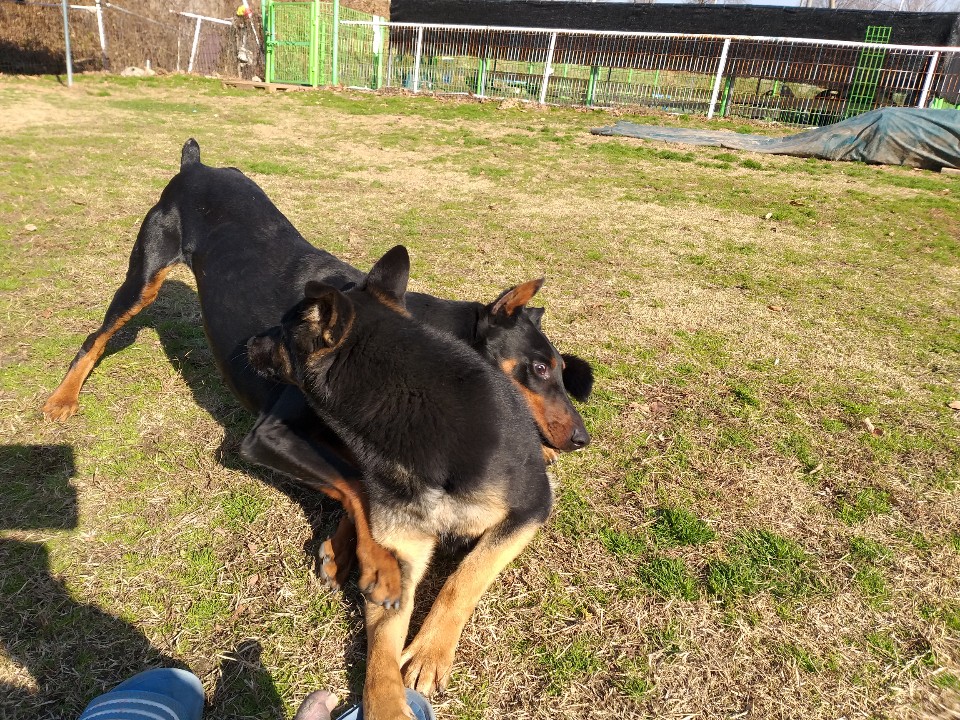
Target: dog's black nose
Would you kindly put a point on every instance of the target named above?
(580, 439)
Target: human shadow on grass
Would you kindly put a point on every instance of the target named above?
(66, 652)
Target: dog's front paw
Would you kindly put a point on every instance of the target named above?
(427, 662)
(60, 408)
(379, 576)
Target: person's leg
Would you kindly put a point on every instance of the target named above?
(160, 694)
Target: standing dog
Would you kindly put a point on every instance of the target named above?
(251, 265)
(446, 446)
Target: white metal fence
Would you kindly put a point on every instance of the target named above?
(794, 80)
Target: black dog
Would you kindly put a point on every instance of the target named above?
(251, 265)
(446, 446)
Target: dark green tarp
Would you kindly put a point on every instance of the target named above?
(927, 139)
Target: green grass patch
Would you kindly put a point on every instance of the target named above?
(668, 577)
(803, 658)
(947, 680)
(864, 550)
(863, 504)
(622, 544)
(676, 526)
(241, 509)
(576, 660)
(760, 560)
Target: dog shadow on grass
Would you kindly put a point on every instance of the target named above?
(175, 316)
(61, 653)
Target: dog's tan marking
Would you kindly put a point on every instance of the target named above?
(557, 427)
(332, 342)
(555, 423)
(338, 554)
(427, 661)
(436, 513)
(550, 455)
(388, 301)
(64, 401)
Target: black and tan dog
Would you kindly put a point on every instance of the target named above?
(446, 446)
(251, 265)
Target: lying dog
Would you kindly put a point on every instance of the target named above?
(251, 265)
(446, 446)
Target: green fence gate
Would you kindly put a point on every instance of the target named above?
(307, 45)
(866, 76)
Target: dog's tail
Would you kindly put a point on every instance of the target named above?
(190, 154)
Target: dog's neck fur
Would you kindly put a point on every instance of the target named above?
(371, 418)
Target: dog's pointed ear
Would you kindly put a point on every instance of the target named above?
(390, 274)
(514, 299)
(577, 377)
(534, 315)
(327, 315)
(269, 357)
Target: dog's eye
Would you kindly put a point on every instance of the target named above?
(541, 370)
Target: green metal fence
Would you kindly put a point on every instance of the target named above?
(306, 44)
(790, 80)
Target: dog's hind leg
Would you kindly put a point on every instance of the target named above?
(295, 448)
(156, 250)
(427, 661)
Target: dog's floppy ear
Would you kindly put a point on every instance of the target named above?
(389, 274)
(514, 299)
(577, 377)
(269, 357)
(326, 314)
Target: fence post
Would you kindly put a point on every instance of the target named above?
(721, 66)
(481, 76)
(268, 41)
(335, 53)
(378, 51)
(193, 50)
(66, 43)
(592, 83)
(313, 58)
(725, 98)
(928, 80)
(103, 35)
(548, 69)
(416, 60)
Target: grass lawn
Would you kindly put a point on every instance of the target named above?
(766, 524)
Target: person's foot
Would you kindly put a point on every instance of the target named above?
(317, 706)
